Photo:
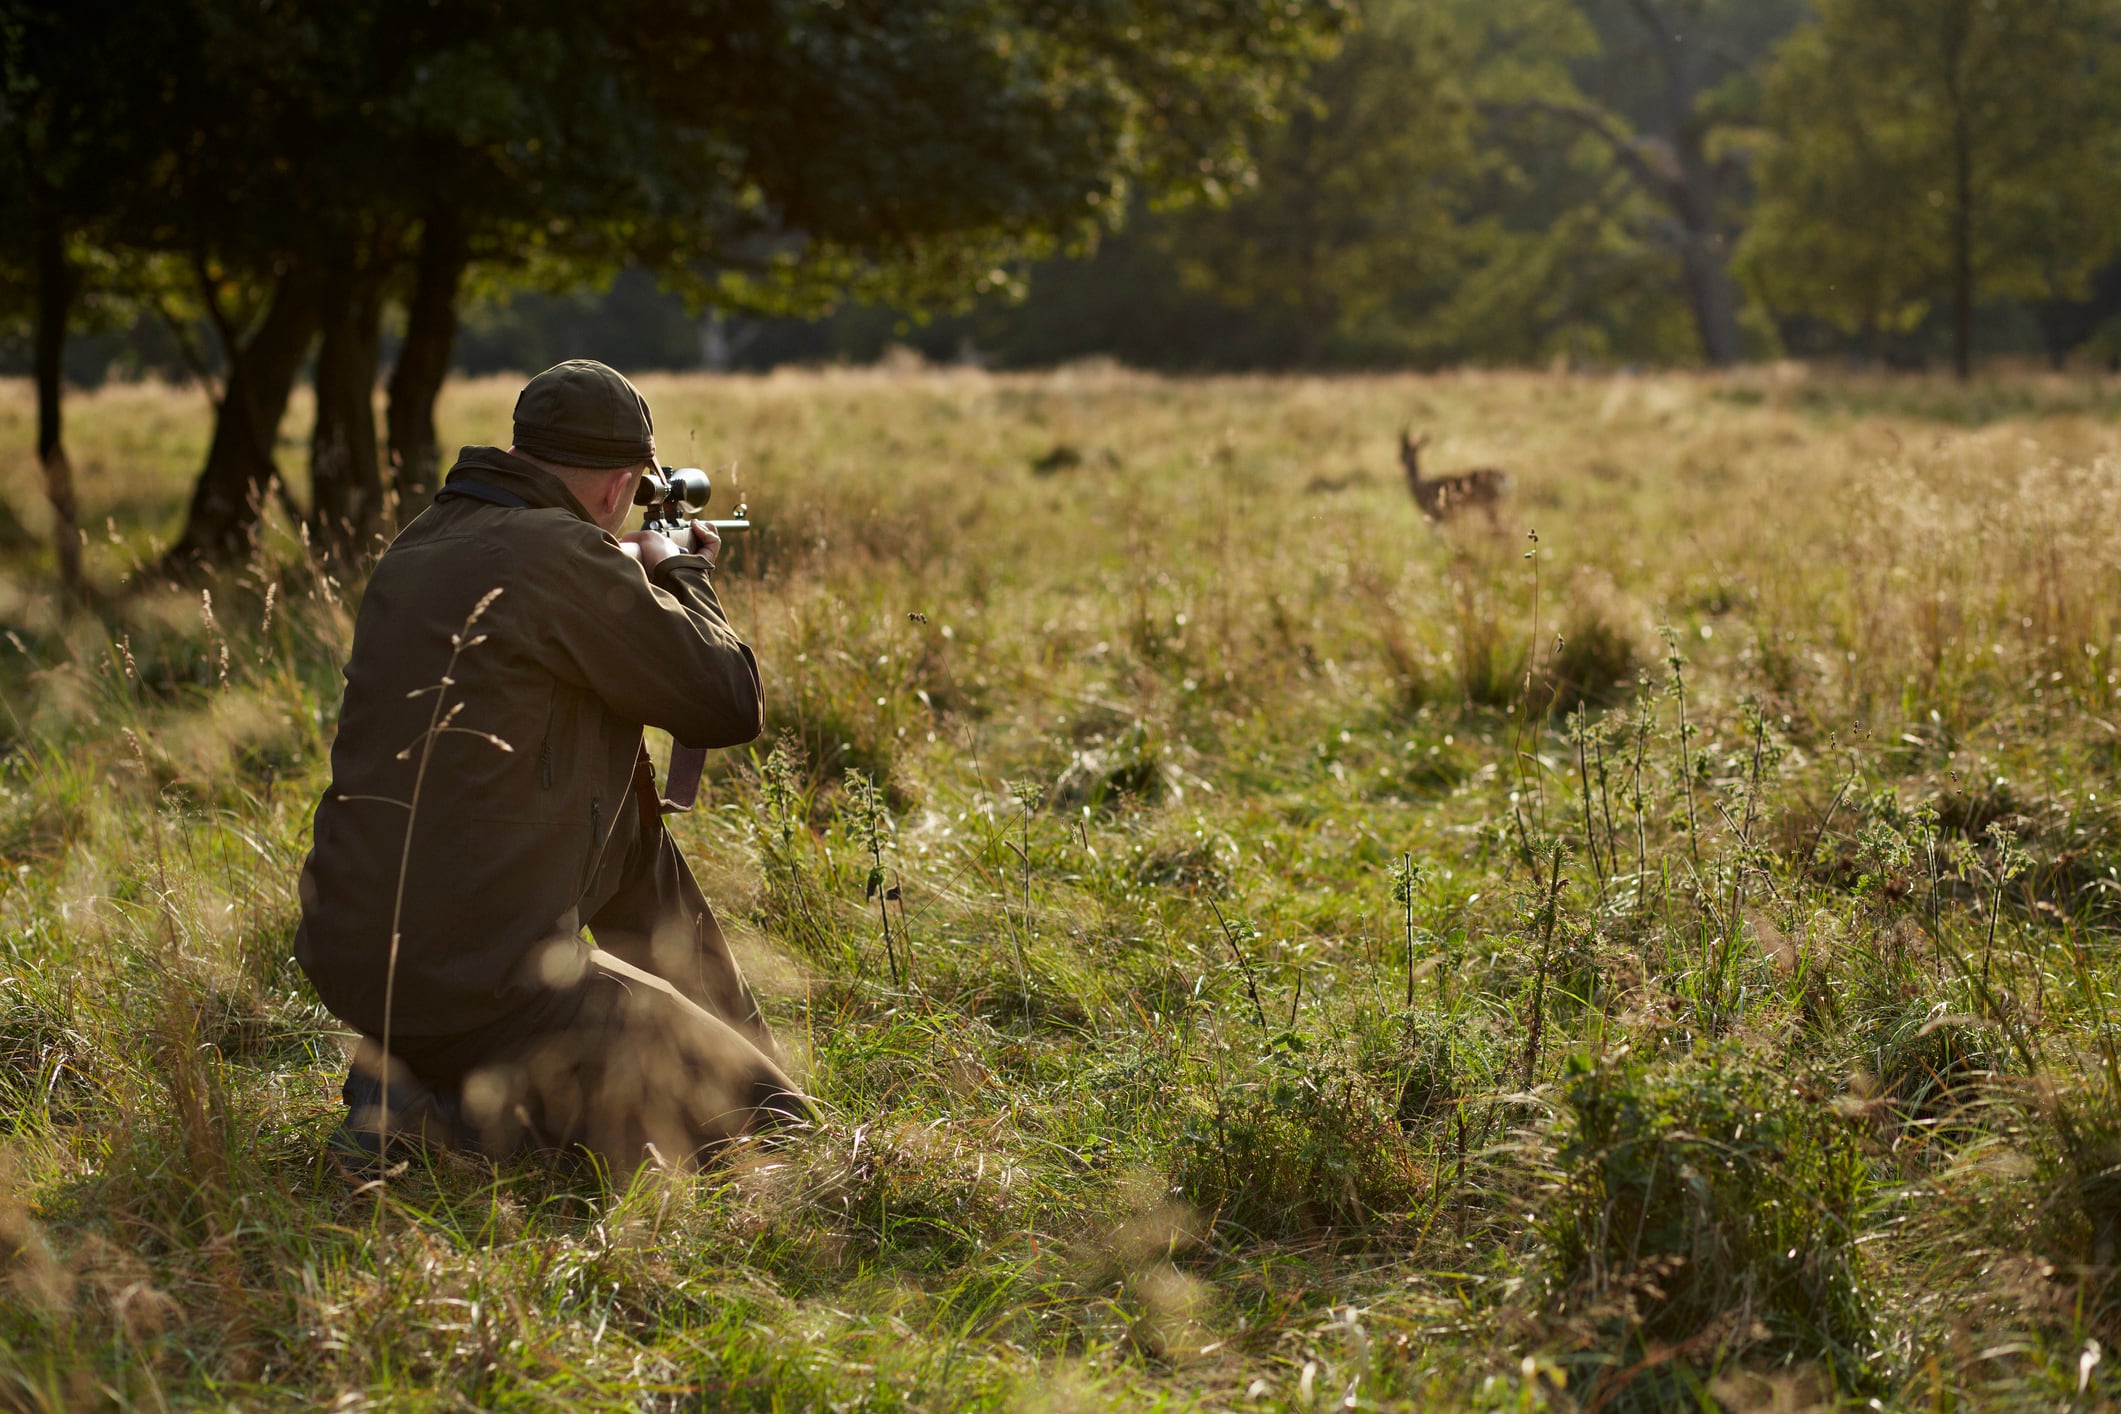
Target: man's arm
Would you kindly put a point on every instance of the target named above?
(652, 547)
(650, 639)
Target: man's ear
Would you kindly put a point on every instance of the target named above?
(617, 490)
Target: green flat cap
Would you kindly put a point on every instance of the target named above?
(584, 413)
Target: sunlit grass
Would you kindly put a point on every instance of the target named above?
(1132, 1107)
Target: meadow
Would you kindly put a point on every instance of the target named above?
(1253, 949)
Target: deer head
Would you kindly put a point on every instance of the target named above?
(1410, 452)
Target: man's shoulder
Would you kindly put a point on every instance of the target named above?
(527, 535)
(538, 557)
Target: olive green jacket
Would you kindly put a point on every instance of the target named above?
(530, 776)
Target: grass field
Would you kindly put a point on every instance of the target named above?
(1658, 954)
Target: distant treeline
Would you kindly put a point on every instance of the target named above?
(1602, 182)
(254, 196)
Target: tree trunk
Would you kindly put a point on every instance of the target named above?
(1691, 188)
(57, 284)
(1704, 255)
(1954, 41)
(423, 361)
(230, 493)
(1713, 296)
(346, 495)
(1962, 253)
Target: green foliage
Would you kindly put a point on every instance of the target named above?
(307, 166)
(1713, 1202)
(1441, 1061)
(1371, 184)
(1302, 1144)
(1345, 227)
(1924, 153)
(1497, 183)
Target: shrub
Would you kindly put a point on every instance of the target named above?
(1708, 1200)
(1133, 768)
(1923, 1055)
(1598, 662)
(2073, 1137)
(1303, 1143)
(1432, 1063)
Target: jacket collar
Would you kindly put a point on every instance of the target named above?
(537, 486)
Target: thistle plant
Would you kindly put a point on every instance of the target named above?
(1580, 734)
(872, 821)
(2011, 862)
(1238, 932)
(1675, 664)
(1029, 795)
(1406, 880)
(1553, 854)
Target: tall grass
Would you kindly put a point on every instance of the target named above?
(1251, 948)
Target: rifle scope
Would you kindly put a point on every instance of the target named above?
(675, 496)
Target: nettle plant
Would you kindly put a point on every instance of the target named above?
(866, 814)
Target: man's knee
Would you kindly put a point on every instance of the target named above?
(701, 1073)
(640, 1065)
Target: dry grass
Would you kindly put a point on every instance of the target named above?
(1828, 861)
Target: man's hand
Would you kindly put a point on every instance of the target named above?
(706, 543)
(652, 547)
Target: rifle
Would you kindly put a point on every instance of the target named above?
(674, 498)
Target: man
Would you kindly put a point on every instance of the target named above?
(491, 797)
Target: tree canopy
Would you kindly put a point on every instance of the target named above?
(306, 165)
(1935, 152)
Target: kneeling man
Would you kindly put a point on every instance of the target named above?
(491, 797)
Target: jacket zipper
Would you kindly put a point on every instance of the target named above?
(596, 838)
(545, 744)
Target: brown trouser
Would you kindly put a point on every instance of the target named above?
(657, 1050)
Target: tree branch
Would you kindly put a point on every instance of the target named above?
(1632, 152)
(210, 296)
(188, 348)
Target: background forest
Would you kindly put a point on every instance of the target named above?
(1600, 182)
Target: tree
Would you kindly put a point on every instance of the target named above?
(1664, 89)
(238, 190)
(1504, 179)
(2074, 317)
(1349, 220)
(67, 120)
(771, 156)
(1933, 152)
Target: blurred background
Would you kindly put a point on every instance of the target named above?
(1600, 182)
(371, 195)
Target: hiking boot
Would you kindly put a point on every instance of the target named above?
(421, 1119)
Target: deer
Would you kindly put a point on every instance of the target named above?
(1442, 497)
